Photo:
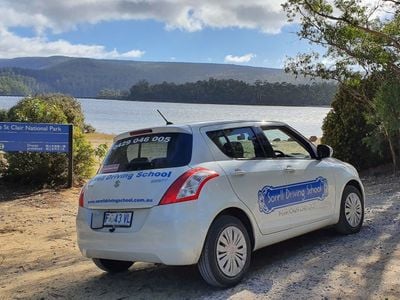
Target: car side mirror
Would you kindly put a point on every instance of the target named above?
(324, 151)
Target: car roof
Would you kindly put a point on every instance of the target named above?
(188, 127)
(216, 123)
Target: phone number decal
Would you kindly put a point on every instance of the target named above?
(142, 140)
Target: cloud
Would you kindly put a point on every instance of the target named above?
(58, 16)
(44, 16)
(239, 59)
(188, 15)
(12, 45)
(130, 54)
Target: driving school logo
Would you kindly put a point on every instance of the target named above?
(271, 198)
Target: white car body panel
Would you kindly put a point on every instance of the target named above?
(160, 234)
(174, 234)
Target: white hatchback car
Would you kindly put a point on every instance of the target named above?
(210, 194)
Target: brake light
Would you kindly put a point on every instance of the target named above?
(139, 132)
(188, 186)
(81, 198)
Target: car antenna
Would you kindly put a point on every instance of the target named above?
(165, 119)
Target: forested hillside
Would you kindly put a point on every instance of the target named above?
(235, 92)
(85, 77)
(13, 84)
(159, 81)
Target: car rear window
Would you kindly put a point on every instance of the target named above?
(152, 151)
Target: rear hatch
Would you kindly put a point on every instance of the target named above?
(139, 169)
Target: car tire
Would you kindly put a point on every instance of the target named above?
(112, 266)
(351, 211)
(226, 253)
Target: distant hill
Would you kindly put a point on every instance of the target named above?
(35, 63)
(85, 77)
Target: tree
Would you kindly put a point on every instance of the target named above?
(353, 35)
(362, 41)
(386, 117)
(348, 129)
(230, 91)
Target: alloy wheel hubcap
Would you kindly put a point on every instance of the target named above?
(231, 251)
(353, 209)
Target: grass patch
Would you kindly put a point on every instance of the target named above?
(97, 138)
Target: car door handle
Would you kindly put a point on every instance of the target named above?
(239, 172)
(289, 169)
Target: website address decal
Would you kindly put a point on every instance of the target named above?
(121, 200)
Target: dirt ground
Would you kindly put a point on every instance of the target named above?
(39, 258)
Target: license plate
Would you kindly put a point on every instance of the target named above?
(117, 219)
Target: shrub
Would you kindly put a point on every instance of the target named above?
(386, 117)
(3, 164)
(83, 154)
(36, 110)
(346, 129)
(87, 128)
(50, 168)
(3, 115)
(100, 152)
(70, 106)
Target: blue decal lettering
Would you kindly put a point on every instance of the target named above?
(127, 176)
(154, 174)
(130, 176)
(271, 198)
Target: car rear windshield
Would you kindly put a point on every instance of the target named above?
(152, 151)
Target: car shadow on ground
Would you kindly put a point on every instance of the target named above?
(374, 247)
(379, 235)
(143, 281)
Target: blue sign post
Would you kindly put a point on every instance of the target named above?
(38, 137)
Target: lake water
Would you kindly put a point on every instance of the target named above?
(110, 116)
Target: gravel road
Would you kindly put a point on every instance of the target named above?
(39, 258)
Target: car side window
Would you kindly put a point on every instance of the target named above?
(285, 145)
(240, 143)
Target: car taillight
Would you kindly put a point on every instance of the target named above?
(81, 197)
(188, 186)
(139, 132)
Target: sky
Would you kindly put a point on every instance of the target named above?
(251, 32)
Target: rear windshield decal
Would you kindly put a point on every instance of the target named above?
(142, 140)
(110, 168)
(271, 198)
(149, 152)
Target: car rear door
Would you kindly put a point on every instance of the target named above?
(249, 166)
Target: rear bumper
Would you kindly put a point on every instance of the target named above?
(170, 234)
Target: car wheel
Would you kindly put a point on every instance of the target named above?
(351, 211)
(226, 253)
(112, 266)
